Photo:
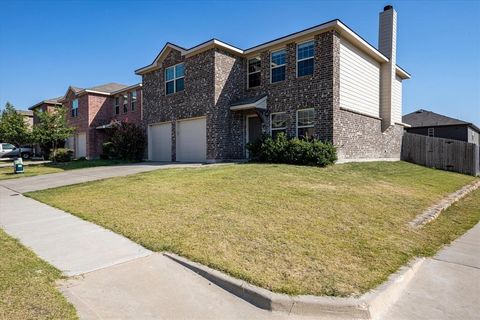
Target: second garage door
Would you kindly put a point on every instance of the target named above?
(160, 142)
(191, 140)
(80, 145)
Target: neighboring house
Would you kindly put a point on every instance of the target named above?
(45, 106)
(48, 105)
(207, 102)
(92, 111)
(27, 116)
(432, 124)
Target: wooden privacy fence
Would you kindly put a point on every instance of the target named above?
(439, 153)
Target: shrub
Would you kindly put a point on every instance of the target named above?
(108, 151)
(62, 155)
(127, 142)
(311, 152)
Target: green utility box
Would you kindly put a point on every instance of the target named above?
(18, 166)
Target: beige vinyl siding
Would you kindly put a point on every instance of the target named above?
(397, 100)
(359, 80)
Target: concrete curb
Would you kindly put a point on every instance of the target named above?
(371, 305)
(434, 211)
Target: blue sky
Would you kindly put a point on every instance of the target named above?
(45, 46)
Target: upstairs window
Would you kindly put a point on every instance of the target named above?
(174, 79)
(133, 100)
(125, 104)
(254, 72)
(278, 123)
(278, 65)
(305, 123)
(75, 108)
(305, 54)
(431, 132)
(117, 105)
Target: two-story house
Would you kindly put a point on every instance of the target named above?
(207, 102)
(45, 106)
(92, 111)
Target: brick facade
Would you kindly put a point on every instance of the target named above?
(360, 137)
(215, 78)
(193, 102)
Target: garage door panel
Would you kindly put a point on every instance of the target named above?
(160, 142)
(191, 140)
(80, 145)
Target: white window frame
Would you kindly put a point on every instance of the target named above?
(125, 103)
(431, 132)
(133, 101)
(282, 65)
(116, 105)
(299, 60)
(249, 73)
(174, 78)
(277, 129)
(75, 108)
(309, 126)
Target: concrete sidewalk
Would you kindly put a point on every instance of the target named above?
(53, 180)
(71, 244)
(446, 286)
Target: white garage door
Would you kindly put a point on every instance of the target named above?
(191, 140)
(80, 145)
(160, 142)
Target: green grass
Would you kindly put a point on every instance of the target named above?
(38, 169)
(27, 285)
(335, 231)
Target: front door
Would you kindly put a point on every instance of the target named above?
(254, 129)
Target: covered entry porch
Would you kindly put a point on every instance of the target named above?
(253, 111)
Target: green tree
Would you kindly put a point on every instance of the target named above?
(52, 129)
(13, 128)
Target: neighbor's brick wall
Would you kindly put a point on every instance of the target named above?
(99, 107)
(130, 116)
(44, 107)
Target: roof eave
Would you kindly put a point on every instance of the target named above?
(154, 65)
(336, 24)
(402, 73)
(137, 85)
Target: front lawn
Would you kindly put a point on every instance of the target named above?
(38, 169)
(27, 285)
(335, 231)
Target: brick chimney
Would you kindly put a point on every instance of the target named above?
(387, 45)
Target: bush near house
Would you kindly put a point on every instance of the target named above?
(311, 152)
(62, 155)
(127, 142)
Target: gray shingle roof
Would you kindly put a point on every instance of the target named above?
(108, 87)
(28, 113)
(425, 118)
(47, 101)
